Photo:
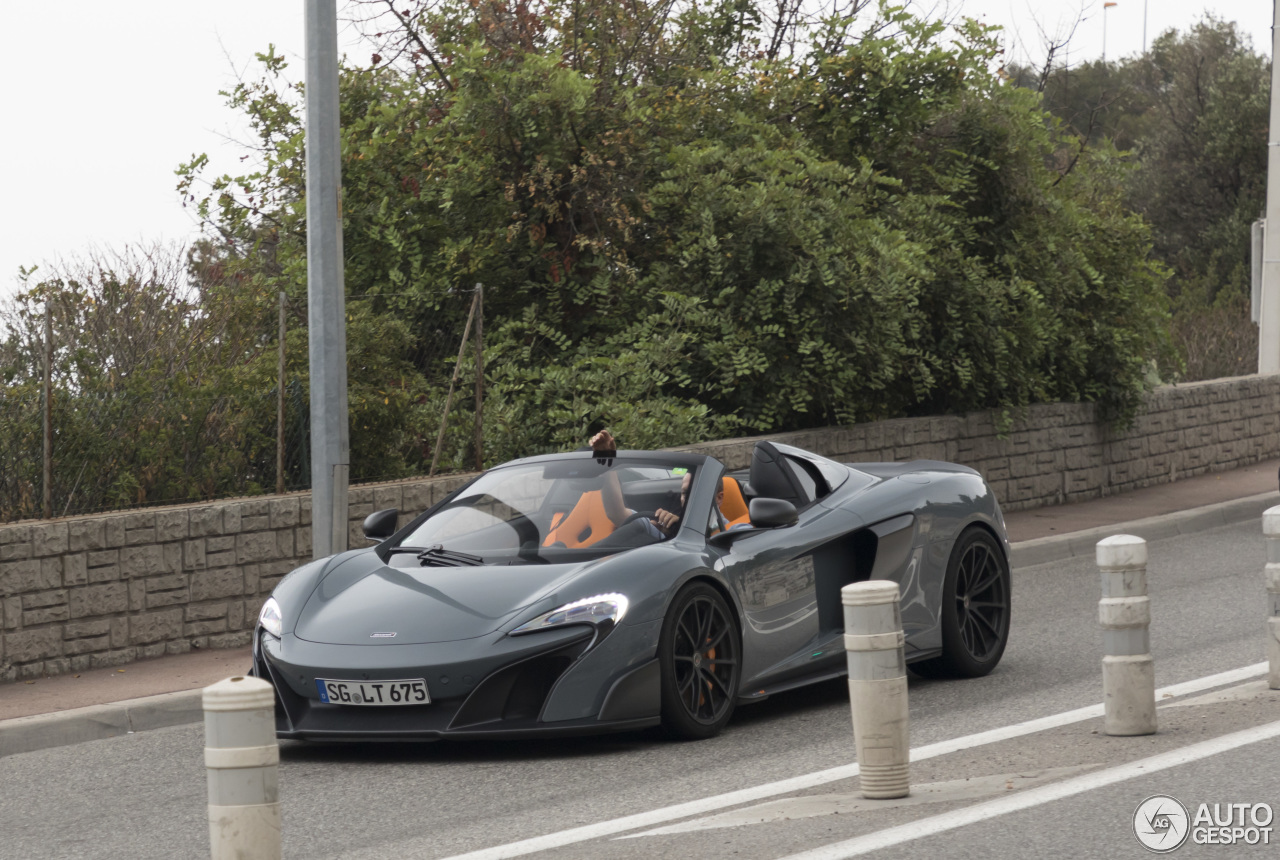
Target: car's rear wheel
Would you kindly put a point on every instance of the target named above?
(699, 656)
(975, 610)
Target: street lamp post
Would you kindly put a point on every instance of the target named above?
(326, 301)
(1105, 7)
(1269, 313)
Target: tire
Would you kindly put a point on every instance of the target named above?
(700, 661)
(975, 610)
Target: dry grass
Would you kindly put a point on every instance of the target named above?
(1218, 341)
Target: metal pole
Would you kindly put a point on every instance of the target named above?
(1269, 315)
(1256, 240)
(1105, 7)
(479, 377)
(242, 761)
(326, 311)
(1271, 529)
(448, 401)
(280, 406)
(873, 642)
(1144, 26)
(47, 488)
(1128, 673)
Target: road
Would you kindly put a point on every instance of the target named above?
(143, 796)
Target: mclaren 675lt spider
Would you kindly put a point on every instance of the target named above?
(587, 592)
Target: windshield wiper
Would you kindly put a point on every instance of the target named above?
(438, 556)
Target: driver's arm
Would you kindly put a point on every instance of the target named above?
(610, 490)
(611, 495)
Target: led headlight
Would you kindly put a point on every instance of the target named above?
(270, 618)
(601, 609)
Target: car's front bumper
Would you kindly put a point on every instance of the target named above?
(496, 686)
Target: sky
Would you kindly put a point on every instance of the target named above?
(105, 100)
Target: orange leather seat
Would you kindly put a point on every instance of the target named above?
(584, 525)
(733, 506)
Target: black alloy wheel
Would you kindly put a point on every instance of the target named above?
(699, 656)
(975, 610)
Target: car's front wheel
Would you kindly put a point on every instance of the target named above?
(975, 609)
(699, 655)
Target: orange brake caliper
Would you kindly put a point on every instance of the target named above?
(711, 667)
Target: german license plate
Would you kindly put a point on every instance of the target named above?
(410, 692)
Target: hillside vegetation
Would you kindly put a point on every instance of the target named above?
(691, 219)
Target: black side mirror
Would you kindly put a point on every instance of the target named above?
(381, 525)
(772, 513)
(765, 514)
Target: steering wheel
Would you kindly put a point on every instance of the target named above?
(638, 515)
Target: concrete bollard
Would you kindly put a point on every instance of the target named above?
(242, 757)
(1128, 673)
(1271, 529)
(877, 686)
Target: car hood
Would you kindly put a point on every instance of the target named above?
(362, 596)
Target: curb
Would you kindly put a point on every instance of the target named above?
(1029, 553)
(43, 731)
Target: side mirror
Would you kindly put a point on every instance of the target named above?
(381, 525)
(772, 513)
(765, 514)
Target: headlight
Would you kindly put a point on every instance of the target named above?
(270, 618)
(601, 609)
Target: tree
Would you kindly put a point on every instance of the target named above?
(1192, 114)
(1202, 175)
(149, 397)
(686, 226)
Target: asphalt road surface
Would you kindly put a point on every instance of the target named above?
(143, 796)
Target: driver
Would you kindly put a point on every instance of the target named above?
(664, 523)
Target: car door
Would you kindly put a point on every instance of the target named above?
(772, 572)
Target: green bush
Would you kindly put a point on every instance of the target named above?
(683, 229)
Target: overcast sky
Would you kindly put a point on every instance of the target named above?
(103, 100)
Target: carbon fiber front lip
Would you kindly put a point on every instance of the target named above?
(575, 728)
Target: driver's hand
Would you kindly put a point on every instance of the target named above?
(666, 521)
(603, 441)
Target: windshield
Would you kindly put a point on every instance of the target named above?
(559, 510)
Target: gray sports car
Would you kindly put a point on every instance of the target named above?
(547, 596)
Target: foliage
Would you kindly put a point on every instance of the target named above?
(706, 217)
(1193, 112)
(1218, 341)
(149, 387)
(1203, 176)
(691, 218)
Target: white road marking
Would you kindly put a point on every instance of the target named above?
(1037, 796)
(804, 782)
(968, 790)
(1238, 693)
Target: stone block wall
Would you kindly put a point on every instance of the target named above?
(94, 591)
(107, 589)
(1058, 452)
